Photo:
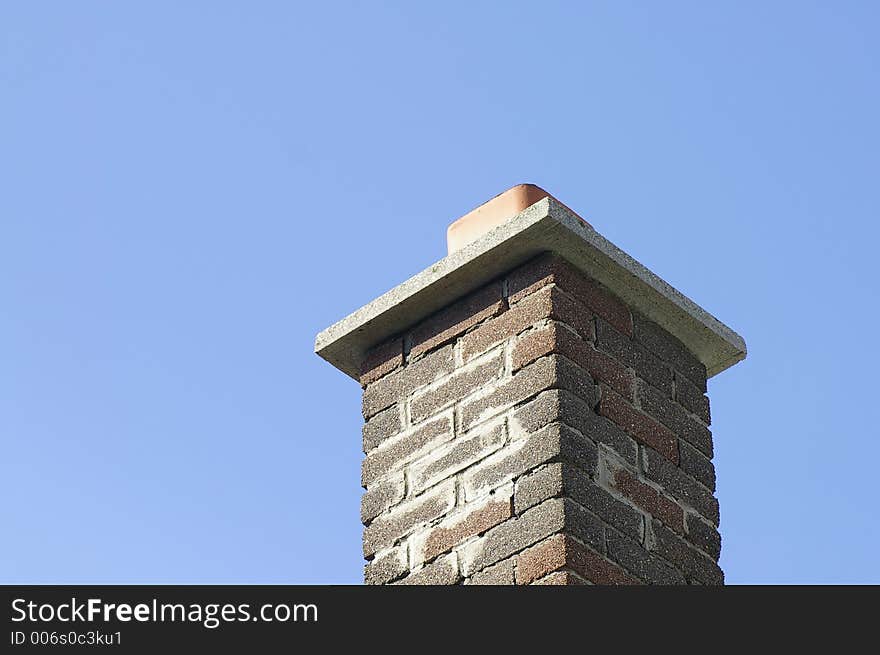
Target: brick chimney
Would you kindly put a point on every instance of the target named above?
(535, 411)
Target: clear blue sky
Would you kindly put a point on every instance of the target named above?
(189, 192)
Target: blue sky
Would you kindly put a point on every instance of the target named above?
(189, 192)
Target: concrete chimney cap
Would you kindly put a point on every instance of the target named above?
(488, 243)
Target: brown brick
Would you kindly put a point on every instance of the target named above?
(560, 405)
(704, 536)
(395, 386)
(388, 528)
(669, 349)
(381, 426)
(555, 338)
(582, 524)
(649, 499)
(586, 493)
(675, 418)
(461, 383)
(548, 302)
(572, 313)
(643, 428)
(601, 367)
(496, 330)
(513, 536)
(693, 563)
(442, 572)
(595, 568)
(381, 496)
(445, 536)
(645, 566)
(696, 464)
(533, 345)
(538, 485)
(691, 398)
(456, 455)
(381, 360)
(560, 578)
(542, 271)
(552, 372)
(541, 559)
(551, 269)
(633, 354)
(497, 574)
(679, 484)
(394, 452)
(555, 441)
(560, 479)
(457, 318)
(387, 567)
(563, 552)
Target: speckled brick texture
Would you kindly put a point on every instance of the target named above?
(537, 431)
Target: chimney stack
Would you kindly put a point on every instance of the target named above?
(535, 411)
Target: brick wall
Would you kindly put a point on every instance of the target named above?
(538, 432)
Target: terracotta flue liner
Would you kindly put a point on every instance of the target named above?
(491, 214)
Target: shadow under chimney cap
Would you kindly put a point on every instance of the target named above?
(544, 226)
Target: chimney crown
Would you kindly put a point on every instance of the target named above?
(487, 242)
